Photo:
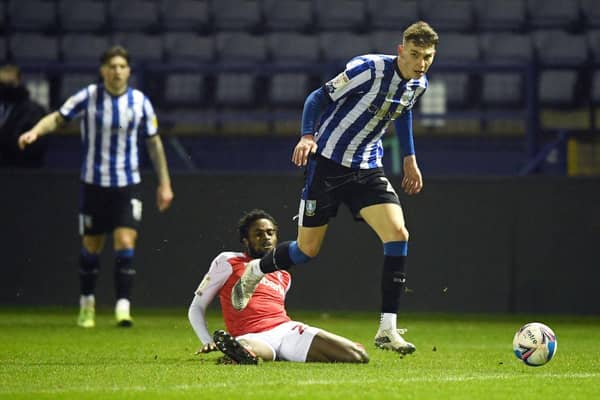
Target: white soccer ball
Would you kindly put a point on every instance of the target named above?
(535, 344)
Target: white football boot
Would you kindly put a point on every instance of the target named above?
(244, 288)
(391, 339)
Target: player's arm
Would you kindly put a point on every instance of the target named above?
(47, 124)
(156, 151)
(412, 181)
(315, 105)
(213, 281)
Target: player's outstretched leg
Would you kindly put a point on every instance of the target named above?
(244, 288)
(234, 349)
(391, 339)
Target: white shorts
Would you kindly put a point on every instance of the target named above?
(289, 341)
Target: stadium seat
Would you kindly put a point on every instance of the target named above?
(237, 15)
(288, 89)
(3, 52)
(2, 16)
(447, 15)
(392, 14)
(557, 46)
(593, 41)
(235, 89)
(342, 15)
(501, 15)
(184, 89)
(83, 48)
(142, 47)
(340, 47)
(82, 15)
(386, 42)
(557, 87)
(553, 14)
(287, 47)
(31, 15)
(505, 88)
(185, 15)
(596, 87)
(240, 47)
(133, 15)
(188, 48)
(290, 15)
(71, 83)
(590, 9)
(33, 47)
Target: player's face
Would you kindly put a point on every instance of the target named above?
(413, 60)
(262, 237)
(115, 74)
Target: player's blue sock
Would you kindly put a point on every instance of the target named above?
(393, 277)
(284, 256)
(124, 273)
(89, 264)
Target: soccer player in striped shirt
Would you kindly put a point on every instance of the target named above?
(113, 117)
(263, 329)
(342, 126)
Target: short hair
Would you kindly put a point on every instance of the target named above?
(421, 34)
(11, 69)
(114, 51)
(249, 218)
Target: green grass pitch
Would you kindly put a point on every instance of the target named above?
(43, 355)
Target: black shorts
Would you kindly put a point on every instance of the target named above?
(327, 184)
(103, 209)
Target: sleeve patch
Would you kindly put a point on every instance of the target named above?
(337, 83)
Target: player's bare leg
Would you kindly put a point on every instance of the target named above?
(328, 347)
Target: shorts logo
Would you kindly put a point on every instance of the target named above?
(311, 207)
(136, 209)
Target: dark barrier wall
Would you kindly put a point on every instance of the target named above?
(477, 245)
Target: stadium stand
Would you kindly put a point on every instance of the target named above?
(133, 15)
(448, 15)
(392, 14)
(305, 48)
(82, 15)
(503, 16)
(345, 15)
(590, 9)
(34, 48)
(82, 47)
(31, 15)
(184, 15)
(188, 48)
(291, 15)
(553, 14)
(237, 15)
(142, 47)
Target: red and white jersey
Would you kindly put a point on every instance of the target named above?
(266, 308)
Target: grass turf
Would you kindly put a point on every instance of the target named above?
(43, 355)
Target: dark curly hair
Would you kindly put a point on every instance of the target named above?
(249, 218)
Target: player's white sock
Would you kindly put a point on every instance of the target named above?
(387, 321)
(87, 301)
(122, 306)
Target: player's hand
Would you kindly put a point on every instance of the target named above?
(207, 348)
(303, 149)
(412, 182)
(164, 196)
(27, 138)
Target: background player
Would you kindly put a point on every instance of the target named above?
(342, 126)
(263, 329)
(114, 115)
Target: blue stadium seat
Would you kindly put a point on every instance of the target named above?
(501, 15)
(290, 15)
(141, 47)
(596, 87)
(185, 15)
(288, 47)
(33, 47)
(593, 41)
(188, 48)
(240, 47)
(553, 14)
(557, 46)
(340, 47)
(235, 89)
(184, 89)
(505, 88)
(133, 15)
(342, 15)
(386, 42)
(31, 15)
(71, 83)
(83, 48)
(237, 15)
(590, 9)
(448, 15)
(392, 14)
(557, 88)
(288, 89)
(82, 15)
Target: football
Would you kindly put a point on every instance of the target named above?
(534, 344)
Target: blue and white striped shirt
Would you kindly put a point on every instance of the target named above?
(367, 96)
(110, 126)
